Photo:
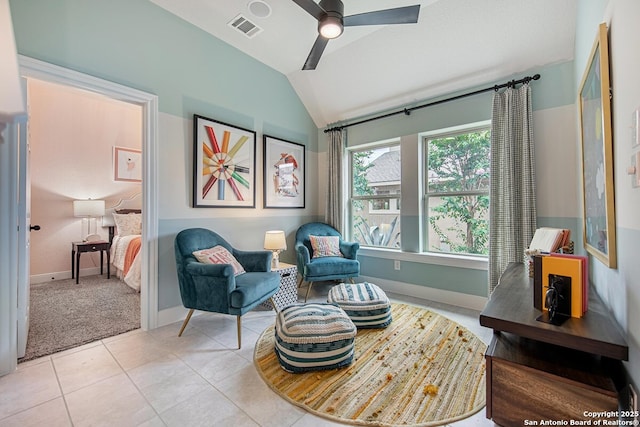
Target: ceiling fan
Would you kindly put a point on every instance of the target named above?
(331, 22)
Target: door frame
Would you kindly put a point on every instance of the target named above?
(33, 68)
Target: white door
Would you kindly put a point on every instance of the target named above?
(24, 230)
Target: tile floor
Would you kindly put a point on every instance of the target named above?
(154, 378)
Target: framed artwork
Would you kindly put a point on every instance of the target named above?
(284, 172)
(597, 154)
(127, 164)
(224, 163)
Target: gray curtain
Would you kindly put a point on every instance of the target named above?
(334, 211)
(512, 194)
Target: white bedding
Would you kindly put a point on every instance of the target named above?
(118, 253)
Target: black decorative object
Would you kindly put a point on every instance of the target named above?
(557, 300)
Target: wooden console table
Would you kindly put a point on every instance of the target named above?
(537, 370)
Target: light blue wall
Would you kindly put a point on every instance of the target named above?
(137, 44)
(619, 287)
(555, 89)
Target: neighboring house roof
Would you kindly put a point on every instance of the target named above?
(386, 168)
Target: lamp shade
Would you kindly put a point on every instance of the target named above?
(88, 208)
(11, 100)
(274, 240)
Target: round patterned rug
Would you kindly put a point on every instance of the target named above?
(423, 370)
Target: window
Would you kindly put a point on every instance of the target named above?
(457, 166)
(375, 195)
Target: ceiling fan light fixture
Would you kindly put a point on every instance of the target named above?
(330, 27)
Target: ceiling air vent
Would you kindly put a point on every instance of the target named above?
(246, 27)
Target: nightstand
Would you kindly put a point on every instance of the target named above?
(77, 248)
(288, 292)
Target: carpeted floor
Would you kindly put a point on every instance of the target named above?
(64, 314)
(423, 370)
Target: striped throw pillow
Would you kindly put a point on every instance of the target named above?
(219, 255)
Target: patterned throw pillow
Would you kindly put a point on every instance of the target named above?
(325, 246)
(128, 224)
(219, 255)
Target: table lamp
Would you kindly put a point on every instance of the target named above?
(88, 209)
(274, 240)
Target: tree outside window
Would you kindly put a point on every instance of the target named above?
(457, 195)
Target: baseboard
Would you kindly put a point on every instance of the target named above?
(432, 294)
(61, 275)
(173, 314)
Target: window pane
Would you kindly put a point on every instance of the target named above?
(376, 171)
(375, 221)
(459, 224)
(459, 162)
(374, 229)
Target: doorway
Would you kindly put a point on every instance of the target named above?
(148, 104)
(73, 135)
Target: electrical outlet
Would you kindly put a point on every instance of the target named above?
(396, 264)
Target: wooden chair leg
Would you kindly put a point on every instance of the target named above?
(273, 304)
(308, 290)
(184, 324)
(351, 280)
(239, 322)
(300, 282)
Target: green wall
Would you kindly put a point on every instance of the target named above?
(138, 44)
(555, 89)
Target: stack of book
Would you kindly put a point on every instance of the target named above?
(571, 270)
(547, 239)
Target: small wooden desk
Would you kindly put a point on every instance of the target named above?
(77, 248)
(533, 367)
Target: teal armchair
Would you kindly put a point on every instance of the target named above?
(344, 266)
(215, 287)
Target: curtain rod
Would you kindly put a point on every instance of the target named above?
(407, 111)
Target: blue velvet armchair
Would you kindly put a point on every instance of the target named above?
(215, 287)
(325, 268)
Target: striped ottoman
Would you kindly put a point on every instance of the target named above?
(365, 303)
(313, 337)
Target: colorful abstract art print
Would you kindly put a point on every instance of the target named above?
(284, 172)
(594, 101)
(224, 163)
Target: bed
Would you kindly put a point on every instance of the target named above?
(124, 221)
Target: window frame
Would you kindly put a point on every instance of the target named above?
(366, 199)
(425, 137)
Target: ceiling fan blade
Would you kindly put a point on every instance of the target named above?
(311, 7)
(315, 54)
(400, 15)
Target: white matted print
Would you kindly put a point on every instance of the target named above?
(127, 164)
(284, 172)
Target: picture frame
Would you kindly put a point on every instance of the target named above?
(224, 165)
(127, 164)
(594, 100)
(284, 173)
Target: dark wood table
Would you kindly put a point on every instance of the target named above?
(536, 370)
(510, 309)
(77, 248)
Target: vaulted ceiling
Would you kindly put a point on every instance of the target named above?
(456, 44)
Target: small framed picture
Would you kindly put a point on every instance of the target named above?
(127, 164)
(284, 172)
